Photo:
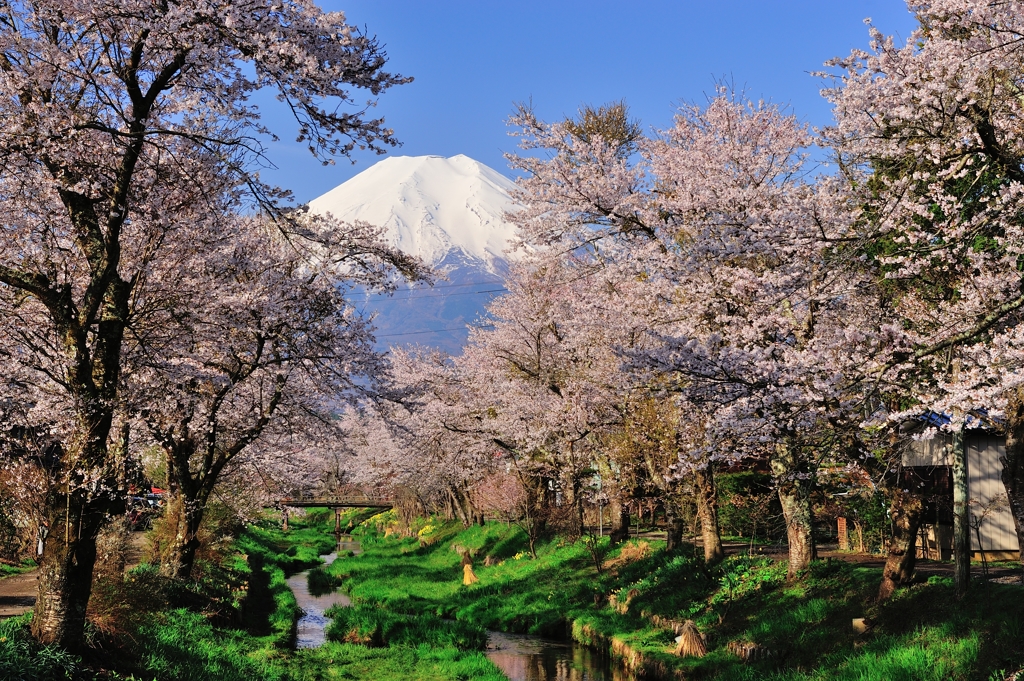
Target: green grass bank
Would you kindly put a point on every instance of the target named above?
(795, 631)
(236, 623)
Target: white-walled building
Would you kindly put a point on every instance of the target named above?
(927, 466)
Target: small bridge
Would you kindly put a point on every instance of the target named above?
(334, 502)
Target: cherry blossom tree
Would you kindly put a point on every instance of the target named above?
(762, 334)
(256, 343)
(720, 233)
(585, 216)
(428, 436)
(124, 120)
(929, 131)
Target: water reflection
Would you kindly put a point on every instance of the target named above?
(529, 658)
(312, 625)
(346, 544)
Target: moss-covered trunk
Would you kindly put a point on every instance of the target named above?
(675, 523)
(618, 520)
(179, 556)
(65, 578)
(707, 510)
(961, 524)
(905, 510)
(794, 481)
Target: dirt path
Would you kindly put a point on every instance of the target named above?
(18, 592)
(927, 568)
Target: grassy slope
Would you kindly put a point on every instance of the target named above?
(184, 644)
(922, 633)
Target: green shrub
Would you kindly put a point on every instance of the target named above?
(748, 505)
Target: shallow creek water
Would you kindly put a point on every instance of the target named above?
(530, 658)
(520, 657)
(313, 624)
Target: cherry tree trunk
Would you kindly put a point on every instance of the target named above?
(707, 510)
(905, 510)
(961, 524)
(65, 577)
(463, 506)
(574, 509)
(618, 522)
(675, 526)
(1013, 463)
(794, 484)
(179, 557)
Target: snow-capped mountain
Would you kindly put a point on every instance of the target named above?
(432, 206)
(451, 213)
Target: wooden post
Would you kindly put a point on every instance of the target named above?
(844, 538)
(337, 520)
(284, 519)
(961, 526)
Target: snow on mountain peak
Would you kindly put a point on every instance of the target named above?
(431, 206)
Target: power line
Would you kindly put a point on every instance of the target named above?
(471, 283)
(417, 333)
(384, 299)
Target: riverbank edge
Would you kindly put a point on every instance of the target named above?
(253, 639)
(633, 660)
(656, 665)
(756, 621)
(270, 569)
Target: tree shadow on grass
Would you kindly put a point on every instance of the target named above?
(255, 609)
(921, 634)
(183, 646)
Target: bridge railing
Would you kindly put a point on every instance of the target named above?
(353, 500)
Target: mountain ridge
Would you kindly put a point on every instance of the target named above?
(431, 206)
(450, 212)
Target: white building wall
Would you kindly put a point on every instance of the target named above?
(987, 494)
(984, 484)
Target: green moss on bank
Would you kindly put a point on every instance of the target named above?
(801, 630)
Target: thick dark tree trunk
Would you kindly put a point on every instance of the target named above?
(794, 483)
(675, 526)
(618, 522)
(905, 510)
(961, 524)
(180, 555)
(1013, 463)
(65, 578)
(707, 510)
(75, 519)
(463, 506)
(575, 503)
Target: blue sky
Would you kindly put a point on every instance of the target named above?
(472, 60)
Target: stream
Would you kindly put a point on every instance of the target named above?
(519, 656)
(313, 624)
(531, 658)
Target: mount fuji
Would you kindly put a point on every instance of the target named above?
(450, 212)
